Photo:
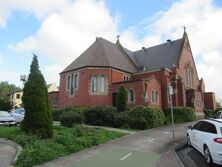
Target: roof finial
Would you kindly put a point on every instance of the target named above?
(184, 28)
(117, 41)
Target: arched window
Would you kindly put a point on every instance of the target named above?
(94, 84)
(189, 76)
(155, 97)
(102, 84)
(131, 96)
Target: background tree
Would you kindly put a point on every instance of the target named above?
(122, 99)
(5, 103)
(38, 118)
(6, 88)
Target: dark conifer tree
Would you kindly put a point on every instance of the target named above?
(122, 99)
(38, 118)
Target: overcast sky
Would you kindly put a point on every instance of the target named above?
(58, 31)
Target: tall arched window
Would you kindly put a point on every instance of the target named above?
(189, 75)
(94, 84)
(102, 84)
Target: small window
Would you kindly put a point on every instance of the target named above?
(154, 97)
(18, 96)
(75, 80)
(131, 96)
(68, 82)
(72, 88)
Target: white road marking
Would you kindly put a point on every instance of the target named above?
(126, 156)
(149, 139)
(182, 128)
(165, 133)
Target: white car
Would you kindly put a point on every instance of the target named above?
(18, 114)
(6, 118)
(218, 115)
(206, 137)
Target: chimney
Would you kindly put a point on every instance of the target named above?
(168, 41)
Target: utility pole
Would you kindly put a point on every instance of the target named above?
(170, 88)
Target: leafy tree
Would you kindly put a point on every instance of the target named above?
(6, 88)
(5, 103)
(38, 118)
(121, 100)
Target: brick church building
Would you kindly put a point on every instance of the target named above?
(95, 77)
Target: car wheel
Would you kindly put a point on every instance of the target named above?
(188, 141)
(207, 156)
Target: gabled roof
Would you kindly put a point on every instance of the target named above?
(160, 56)
(103, 53)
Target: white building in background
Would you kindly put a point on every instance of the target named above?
(16, 97)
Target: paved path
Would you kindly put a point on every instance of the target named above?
(7, 154)
(147, 148)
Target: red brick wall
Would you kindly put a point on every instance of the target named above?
(81, 95)
(54, 95)
(162, 77)
(209, 100)
(139, 90)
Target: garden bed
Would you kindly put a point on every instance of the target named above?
(65, 141)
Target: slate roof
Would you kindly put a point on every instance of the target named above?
(103, 53)
(164, 55)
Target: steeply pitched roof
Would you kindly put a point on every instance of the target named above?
(160, 56)
(103, 53)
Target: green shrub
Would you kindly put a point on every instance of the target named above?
(138, 123)
(121, 120)
(154, 116)
(208, 113)
(56, 115)
(101, 115)
(69, 119)
(181, 114)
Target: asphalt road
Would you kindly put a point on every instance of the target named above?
(143, 149)
(7, 153)
(192, 158)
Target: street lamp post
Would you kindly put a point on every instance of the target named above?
(170, 88)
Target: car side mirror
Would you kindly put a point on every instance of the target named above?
(190, 127)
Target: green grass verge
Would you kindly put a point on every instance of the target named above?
(65, 141)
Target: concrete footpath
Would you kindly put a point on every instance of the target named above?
(148, 148)
(7, 154)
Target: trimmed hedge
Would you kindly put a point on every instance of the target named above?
(153, 116)
(101, 115)
(208, 113)
(69, 119)
(58, 114)
(181, 114)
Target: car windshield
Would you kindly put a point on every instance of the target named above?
(4, 114)
(20, 111)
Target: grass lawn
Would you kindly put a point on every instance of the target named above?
(65, 141)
